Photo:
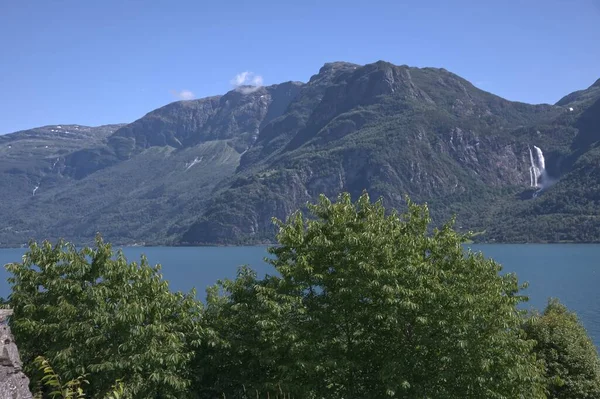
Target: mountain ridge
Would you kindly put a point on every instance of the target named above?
(215, 170)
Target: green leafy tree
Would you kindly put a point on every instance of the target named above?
(254, 348)
(571, 360)
(53, 383)
(90, 312)
(372, 305)
(70, 389)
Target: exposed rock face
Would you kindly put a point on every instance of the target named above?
(215, 170)
(13, 383)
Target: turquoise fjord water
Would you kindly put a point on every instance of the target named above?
(568, 272)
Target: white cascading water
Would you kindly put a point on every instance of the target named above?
(541, 160)
(537, 170)
(533, 171)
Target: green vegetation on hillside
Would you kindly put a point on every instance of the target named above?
(215, 170)
(395, 130)
(365, 304)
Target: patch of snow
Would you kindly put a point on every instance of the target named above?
(59, 127)
(571, 109)
(194, 162)
(35, 189)
(10, 146)
(46, 146)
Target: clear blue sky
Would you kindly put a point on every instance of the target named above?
(108, 61)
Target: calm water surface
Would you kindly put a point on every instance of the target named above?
(568, 272)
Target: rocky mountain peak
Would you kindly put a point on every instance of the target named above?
(330, 71)
(216, 170)
(329, 67)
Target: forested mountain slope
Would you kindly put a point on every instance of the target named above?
(215, 170)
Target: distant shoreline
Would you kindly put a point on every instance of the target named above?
(117, 246)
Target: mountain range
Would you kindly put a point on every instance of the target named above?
(216, 170)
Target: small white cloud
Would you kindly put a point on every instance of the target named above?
(239, 79)
(247, 82)
(183, 94)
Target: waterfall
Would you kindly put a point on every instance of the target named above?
(531, 178)
(537, 170)
(541, 160)
(532, 170)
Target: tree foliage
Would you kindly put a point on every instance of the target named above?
(253, 347)
(57, 389)
(572, 367)
(91, 312)
(369, 305)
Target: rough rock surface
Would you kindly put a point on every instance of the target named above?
(13, 383)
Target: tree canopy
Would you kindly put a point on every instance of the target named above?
(91, 312)
(369, 305)
(572, 367)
